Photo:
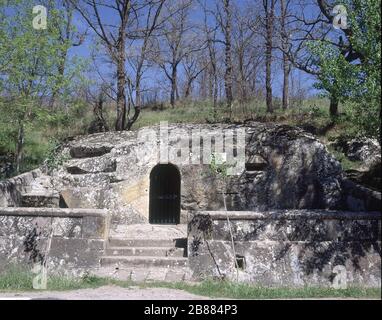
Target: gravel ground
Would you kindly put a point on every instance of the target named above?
(107, 293)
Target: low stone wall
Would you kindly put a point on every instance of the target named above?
(290, 248)
(77, 238)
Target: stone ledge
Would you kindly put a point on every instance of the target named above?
(53, 212)
(22, 179)
(292, 215)
(312, 243)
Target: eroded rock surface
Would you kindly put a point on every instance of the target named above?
(367, 152)
(285, 168)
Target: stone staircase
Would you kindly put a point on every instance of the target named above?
(144, 253)
(156, 257)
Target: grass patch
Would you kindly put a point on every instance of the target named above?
(223, 289)
(311, 114)
(345, 162)
(17, 279)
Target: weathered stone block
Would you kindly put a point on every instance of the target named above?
(287, 249)
(94, 227)
(77, 237)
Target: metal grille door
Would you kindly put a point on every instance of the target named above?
(164, 195)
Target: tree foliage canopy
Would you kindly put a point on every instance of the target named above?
(353, 74)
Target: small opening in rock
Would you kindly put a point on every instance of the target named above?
(253, 167)
(240, 262)
(62, 203)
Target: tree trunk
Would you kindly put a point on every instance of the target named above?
(19, 147)
(333, 106)
(188, 89)
(243, 85)
(138, 106)
(286, 62)
(173, 86)
(61, 73)
(213, 78)
(215, 98)
(228, 57)
(286, 67)
(269, 16)
(121, 82)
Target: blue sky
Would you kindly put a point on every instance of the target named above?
(153, 77)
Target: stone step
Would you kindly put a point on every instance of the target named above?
(145, 274)
(123, 242)
(90, 151)
(143, 261)
(145, 251)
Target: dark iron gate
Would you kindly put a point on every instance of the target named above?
(164, 207)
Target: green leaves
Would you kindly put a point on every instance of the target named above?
(32, 72)
(355, 83)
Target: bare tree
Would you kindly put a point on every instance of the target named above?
(193, 65)
(136, 23)
(153, 22)
(284, 8)
(175, 45)
(99, 124)
(245, 56)
(269, 10)
(113, 38)
(210, 34)
(225, 22)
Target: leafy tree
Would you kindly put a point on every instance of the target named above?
(28, 72)
(350, 67)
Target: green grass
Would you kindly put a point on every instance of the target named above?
(16, 279)
(313, 111)
(312, 114)
(231, 290)
(19, 279)
(345, 162)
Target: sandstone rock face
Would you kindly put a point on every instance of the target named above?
(284, 167)
(300, 172)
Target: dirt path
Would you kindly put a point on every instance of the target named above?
(107, 293)
(118, 293)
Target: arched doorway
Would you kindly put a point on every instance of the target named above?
(164, 207)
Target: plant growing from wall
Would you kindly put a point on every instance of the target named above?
(55, 158)
(204, 224)
(219, 168)
(37, 257)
